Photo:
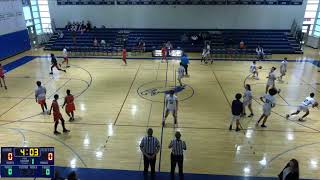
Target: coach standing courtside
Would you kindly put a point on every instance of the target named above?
(149, 147)
(177, 146)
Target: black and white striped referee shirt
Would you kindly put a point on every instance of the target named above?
(150, 144)
(177, 147)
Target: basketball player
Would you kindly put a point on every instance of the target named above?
(2, 71)
(65, 57)
(304, 107)
(247, 100)
(70, 107)
(205, 54)
(269, 103)
(124, 56)
(271, 80)
(254, 70)
(171, 106)
(57, 115)
(40, 95)
(54, 63)
(237, 110)
(181, 72)
(283, 68)
(164, 53)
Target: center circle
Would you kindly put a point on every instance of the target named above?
(155, 90)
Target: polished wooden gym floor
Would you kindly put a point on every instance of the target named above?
(115, 106)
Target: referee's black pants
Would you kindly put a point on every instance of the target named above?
(186, 68)
(177, 159)
(151, 162)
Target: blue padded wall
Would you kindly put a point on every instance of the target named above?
(14, 43)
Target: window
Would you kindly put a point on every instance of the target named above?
(43, 2)
(34, 8)
(44, 8)
(36, 21)
(27, 13)
(45, 20)
(44, 14)
(312, 7)
(310, 16)
(316, 33)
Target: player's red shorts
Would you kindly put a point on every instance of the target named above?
(57, 116)
(2, 76)
(65, 58)
(70, 107)
(41, 101)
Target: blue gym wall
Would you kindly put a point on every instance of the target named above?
(14, 36)
(14, 43)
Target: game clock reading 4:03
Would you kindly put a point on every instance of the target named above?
(25, 152)
(27, 162)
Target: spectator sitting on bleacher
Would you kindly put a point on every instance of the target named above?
(242, 45)
(141, 45)
(69, 26)
(61, 35)
(184, 38)
(260, 52)
(103, 43)
(83, 27)
(95, 42)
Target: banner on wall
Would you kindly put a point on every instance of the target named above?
(11, 16)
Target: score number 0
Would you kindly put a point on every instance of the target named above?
(50, 156)
(10, 156)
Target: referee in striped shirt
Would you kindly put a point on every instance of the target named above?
(177, 146)
(149, 147)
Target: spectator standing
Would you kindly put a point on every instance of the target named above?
(260, 52)
(95, 42)
(185, 62)
(291, 171)
(89, 27)
(169, 47)
(149, 147)
(177, 146)
(74, 36)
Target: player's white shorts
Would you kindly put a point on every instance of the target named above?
(266, 111)
(246, 103)
(303, 108)
(173, 110)
(235, 118)
(270, 83)
(180, 77)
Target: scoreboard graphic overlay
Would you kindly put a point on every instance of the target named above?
(26, 162)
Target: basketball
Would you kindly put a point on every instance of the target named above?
(260, 67)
